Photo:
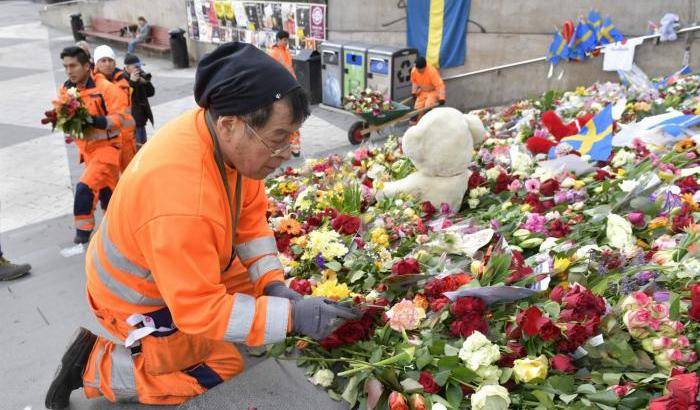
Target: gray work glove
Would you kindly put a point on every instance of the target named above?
(280, 290)
(319, 317)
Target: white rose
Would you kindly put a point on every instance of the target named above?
(621, 158)
(489, 374)
(475, 341)
(473, 203)
(491, 397)
(493, 173)
(548, 244)
(619, 232)
(568, 182)
(323, 378)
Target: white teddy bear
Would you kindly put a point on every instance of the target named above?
(440, 146)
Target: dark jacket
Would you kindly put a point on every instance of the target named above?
(140, 107)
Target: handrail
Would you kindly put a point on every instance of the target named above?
(535, 60)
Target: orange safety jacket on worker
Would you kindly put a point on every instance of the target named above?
(128, 128)
(283, 56)
(99, 149)
(157, 277)
(427, 86)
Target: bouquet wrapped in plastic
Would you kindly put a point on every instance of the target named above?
(69, 115)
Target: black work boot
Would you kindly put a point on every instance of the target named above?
(9, 270)
(69, 375)
(81, 236)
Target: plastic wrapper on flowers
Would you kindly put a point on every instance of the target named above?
(569, 286)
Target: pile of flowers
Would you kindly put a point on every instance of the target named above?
(367, 101)
(69, 115)
(604, 266)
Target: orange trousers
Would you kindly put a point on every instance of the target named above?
(169, 369)
(128, 149)
(426, 99)
(96, 183)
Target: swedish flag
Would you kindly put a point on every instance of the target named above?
(596, 23)
(582, 42)
(557, 49)
(438, 30)
(609, 33)
(595, 138)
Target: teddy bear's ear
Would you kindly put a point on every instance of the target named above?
(476, 128)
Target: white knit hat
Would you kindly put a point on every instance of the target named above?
(102, 52)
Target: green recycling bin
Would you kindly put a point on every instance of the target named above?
(355, 67)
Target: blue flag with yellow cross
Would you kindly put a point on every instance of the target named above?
(438, 30)
(594, 139)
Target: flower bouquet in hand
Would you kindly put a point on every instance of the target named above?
(69, 115)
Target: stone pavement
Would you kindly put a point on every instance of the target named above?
(38, 172)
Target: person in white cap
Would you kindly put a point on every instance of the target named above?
(106, 66)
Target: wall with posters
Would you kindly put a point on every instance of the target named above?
(256, 22)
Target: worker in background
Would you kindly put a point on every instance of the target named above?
(280, 52)
(100, 148)
(106, 66)
(184, 264)
(141, 90)
(428, 89)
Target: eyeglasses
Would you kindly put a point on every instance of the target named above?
(274, 152)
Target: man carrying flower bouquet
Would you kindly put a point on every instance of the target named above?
(99, 146)
(184, 264)
(106, 66)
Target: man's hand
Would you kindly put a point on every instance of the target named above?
(319, 317)
(280, 290)
(50, 116)
(136, 76)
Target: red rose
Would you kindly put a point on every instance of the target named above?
(476, 180)
(688, 185)
(466, 305)
(397, 401)
(583, 304)
(558, 229)
(576, 335)
(528, 320)
(283, 241)
(562, 363)
(350, 332)
(502, 182)
(539, 145)
(547, 329)
(428, 209)
(684, 387)
(516, 352)
(468, 325)
(681, 221)
(301, 286)
(513, 331)
(601, 175)
(669, 402)
(428, 383)
(549, 187)
(557, 293)
(406, 266)
(694, 311)
(346, 224)
(437, 304)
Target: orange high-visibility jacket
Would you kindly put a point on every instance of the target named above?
(283, 56)
(429, 80)
(120, 80)
(101, 98)
(167, 235)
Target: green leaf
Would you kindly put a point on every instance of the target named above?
(454, 394)
(334, 265)
(451, 350)
(611, 379)
(411, 386)
(351, 391)
(675, 309)
(606, 397)
(436, 398)
(464, 374)
(437, 348)
(423, 358)
(567, 398)
(448, 363)
(636, 400)
(376, 355)
(357, 275)
(586, 389)
(562, 383)
(441, 377)
(544, 399)
(506, 372)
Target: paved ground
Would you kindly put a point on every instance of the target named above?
(39, 313)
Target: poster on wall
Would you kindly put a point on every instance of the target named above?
(256, 22)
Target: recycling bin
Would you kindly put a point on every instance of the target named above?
(307, 68)
(389, 70)
(355, 67)
(178, 48)
(77, 25)
(332, 74)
